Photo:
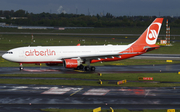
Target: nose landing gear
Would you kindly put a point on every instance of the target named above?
(21, 66)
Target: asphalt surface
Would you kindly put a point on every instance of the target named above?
(168, 68)
(21, 98)
(2, 52)
(30, 98)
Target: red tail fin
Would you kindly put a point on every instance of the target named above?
(150, 35)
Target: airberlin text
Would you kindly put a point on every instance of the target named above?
(35, 52)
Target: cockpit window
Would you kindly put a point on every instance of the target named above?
(9, 52)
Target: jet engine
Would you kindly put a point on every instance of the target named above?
(71, 63)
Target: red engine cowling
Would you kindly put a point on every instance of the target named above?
(71, 63)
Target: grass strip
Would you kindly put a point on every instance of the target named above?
(12, 41)
(49, 82)
(168, 77)
(164, 77)
(83, 83)
(110, 30)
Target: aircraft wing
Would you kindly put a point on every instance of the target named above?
(98, 56)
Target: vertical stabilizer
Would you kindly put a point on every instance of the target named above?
(150, 35)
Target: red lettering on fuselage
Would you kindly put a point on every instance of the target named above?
(35, 52)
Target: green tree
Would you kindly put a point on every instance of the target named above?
(20, 13)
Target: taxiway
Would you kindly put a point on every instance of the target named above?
(167, 68)
(28, 98)
(20, 98)
(34, 97)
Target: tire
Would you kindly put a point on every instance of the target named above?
(81, 67)
(78, 68)
(20, 68)
(93, 68)
(87, 68)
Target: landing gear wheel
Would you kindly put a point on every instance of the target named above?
(20, 68)
(87, 68)
(80, 67)
(93, 68)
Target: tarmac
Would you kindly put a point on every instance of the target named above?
(28, 98)
(167, 68)
(21, 98)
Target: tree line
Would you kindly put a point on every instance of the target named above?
(80, 20)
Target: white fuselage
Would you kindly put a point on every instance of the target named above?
(57, 53)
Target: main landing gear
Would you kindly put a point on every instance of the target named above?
(86, 68)
(89, 68)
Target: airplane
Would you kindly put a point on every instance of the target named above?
(76, 56)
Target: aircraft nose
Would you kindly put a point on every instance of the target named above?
(4, 56)
(8, 55)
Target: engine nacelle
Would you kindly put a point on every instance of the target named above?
(71, 63)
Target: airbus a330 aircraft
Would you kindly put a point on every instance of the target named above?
(75, 56)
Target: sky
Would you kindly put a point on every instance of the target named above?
(93, 7)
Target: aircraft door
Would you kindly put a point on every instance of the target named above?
(21, 53)
(96, 51)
